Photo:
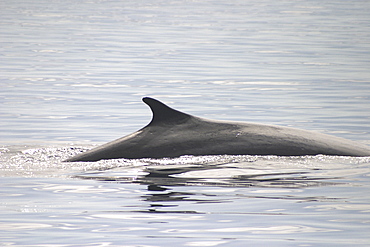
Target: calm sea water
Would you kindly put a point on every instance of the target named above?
(72, 75)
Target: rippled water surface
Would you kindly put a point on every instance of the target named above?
(72, 75)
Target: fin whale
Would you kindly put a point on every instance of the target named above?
(172, 133)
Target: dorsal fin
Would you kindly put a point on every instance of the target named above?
(163, 113)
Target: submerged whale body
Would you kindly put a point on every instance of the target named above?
(172, 133)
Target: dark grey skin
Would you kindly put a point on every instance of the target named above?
(172, 133)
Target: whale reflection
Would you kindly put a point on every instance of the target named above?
(164, 184)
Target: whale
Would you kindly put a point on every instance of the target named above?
(172, 133)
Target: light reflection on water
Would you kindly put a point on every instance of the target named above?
(86, 65)
(191, 201)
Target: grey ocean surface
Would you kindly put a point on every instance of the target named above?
(72, 75)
